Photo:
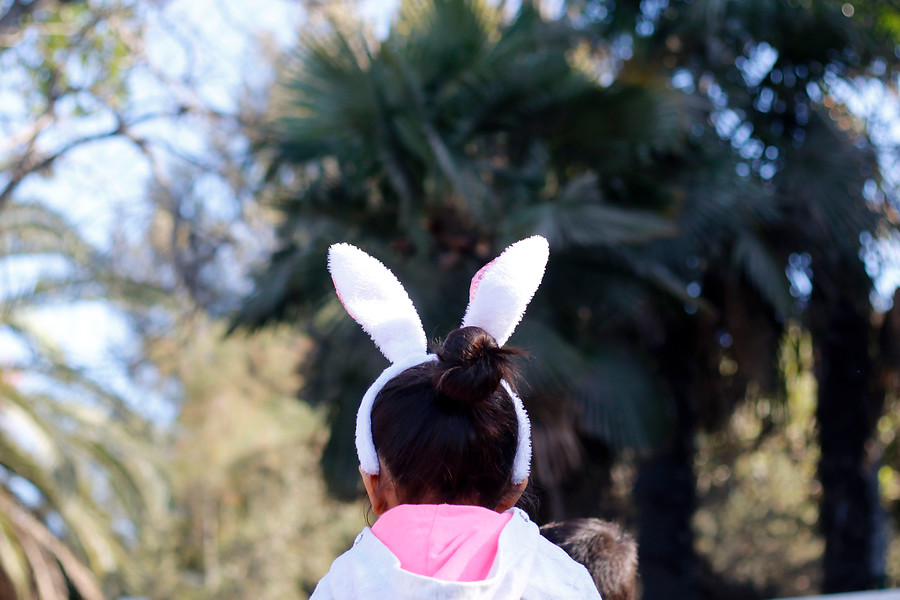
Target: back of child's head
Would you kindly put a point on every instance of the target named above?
(447, 430)
(608, 551)
(449, 427)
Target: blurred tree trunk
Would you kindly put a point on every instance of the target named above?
(665, 490)
(848, 409)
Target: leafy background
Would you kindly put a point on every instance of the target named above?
(712, 351)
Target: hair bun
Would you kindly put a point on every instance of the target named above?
(470, 366)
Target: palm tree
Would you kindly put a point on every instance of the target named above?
(541, 147)
(770, 70)
(594, 170)
(433, 149)
(79, 478)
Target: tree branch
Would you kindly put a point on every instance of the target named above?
(31, 163)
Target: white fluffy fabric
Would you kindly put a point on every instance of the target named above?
(522, 461)
(365, 445)
(502, 289)
(377, 301)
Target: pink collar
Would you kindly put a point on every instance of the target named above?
(451, 542)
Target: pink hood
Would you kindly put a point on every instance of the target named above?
(450, 542)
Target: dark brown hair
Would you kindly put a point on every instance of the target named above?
(447, 430)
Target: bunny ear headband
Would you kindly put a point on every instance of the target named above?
(498, 296)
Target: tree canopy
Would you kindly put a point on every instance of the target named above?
(702, 180)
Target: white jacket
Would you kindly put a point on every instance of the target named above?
(526, 567)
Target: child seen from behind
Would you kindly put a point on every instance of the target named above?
(445, 447)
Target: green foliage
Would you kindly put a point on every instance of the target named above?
(80, 480)
(255, 520)
(757, 521)
(77, 47)
(442, 143)
(84, 480)
(889, 480)
(454, 136)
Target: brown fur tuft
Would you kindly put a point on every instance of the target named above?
(608, 551)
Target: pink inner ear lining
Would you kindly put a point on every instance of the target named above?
(341, 299)
(477, 278)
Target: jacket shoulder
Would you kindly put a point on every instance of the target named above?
(358, 572)
(555, 575)
(323, 589)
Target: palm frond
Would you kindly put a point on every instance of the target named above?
(27, 527)
(764, 271)
(33, 229)
(625, 126)
(579, 218)
(88, 460)
(623, 403)
(13, 559)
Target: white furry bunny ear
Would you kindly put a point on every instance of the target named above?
(377, 301)
(502, 289)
